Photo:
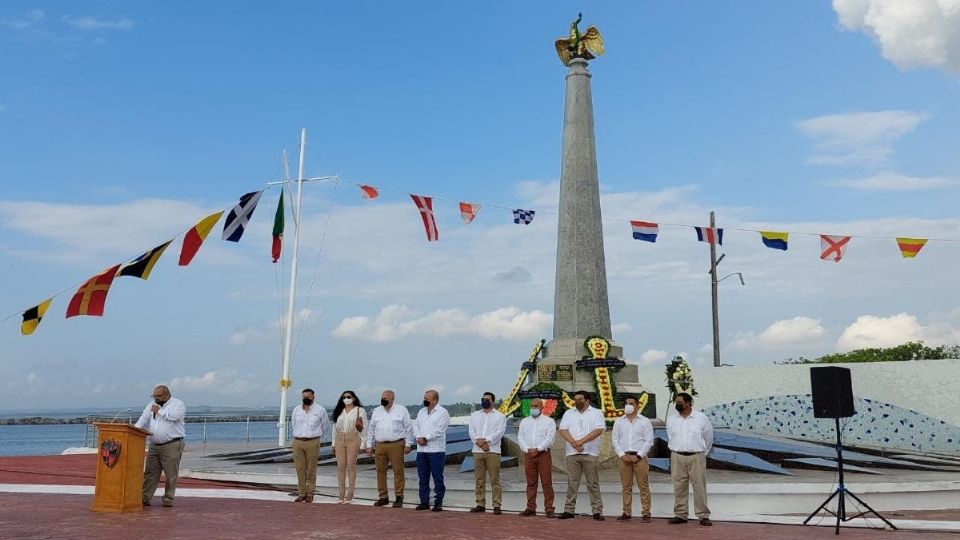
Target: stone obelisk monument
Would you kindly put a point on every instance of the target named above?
(581, 308)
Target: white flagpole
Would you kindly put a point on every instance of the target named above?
(288, 328)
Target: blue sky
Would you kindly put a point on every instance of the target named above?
(123, 124)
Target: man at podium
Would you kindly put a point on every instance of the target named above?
(163, 418)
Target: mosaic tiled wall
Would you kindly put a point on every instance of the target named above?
(875, 424)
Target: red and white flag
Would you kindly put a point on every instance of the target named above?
(425, 205)
(833, 247)
(469, 211)
(369, 192)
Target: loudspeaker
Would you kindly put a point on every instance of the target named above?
(832, 392)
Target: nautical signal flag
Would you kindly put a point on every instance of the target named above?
(195, 237)
(644, 230)
(468, 211)
(92, 295)
(833, 247)
(369, 192)
(909, 247)
(143, 265)
(523, 216)
(425, 206)
(774, 240)
(238, 218)
(709, 235)
(33, 316)
(277, 245)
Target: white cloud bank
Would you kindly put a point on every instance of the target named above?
(859, 138)
(890, 181)
(911, 33)
(221, 381)
(395, 322)
(782, 335)
(872, 331)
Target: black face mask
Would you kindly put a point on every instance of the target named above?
(680, 407)
(486, 403)
(307, 401)
(426, 403)
(160, 402)
(384, 402)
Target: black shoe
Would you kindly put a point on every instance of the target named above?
(624, 517)
(676, 521)
(398, 503)
(423, 507)
(599, 517)
(706, 522)
(645, 519)
(550, 515)
(146, 503)
(437, 508)
(496, 510)
(381, 502)
(477, 510)
(528, 512)
(566, 515)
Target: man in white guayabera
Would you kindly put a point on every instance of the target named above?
(163, 418)
(690, 437)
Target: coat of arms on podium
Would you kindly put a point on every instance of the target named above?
(110, 452)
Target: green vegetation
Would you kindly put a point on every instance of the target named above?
(914, 350)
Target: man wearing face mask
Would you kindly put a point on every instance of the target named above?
(163, 418)
(582, 427)
(632, 441)
(535, 437)
(486, 431)
(309, 424)
(430, 431)
(391, 436)
(690, 439)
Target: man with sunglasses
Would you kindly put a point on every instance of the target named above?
(163, 418)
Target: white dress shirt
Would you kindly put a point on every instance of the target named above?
(536, 433)
(347, 423)
(488, 426)
(167, 424)
(579, 424)
(390, 426)
(432, 426)
(691, 434)
(309, 423)
(635, 436)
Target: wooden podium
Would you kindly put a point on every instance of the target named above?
(119, 484)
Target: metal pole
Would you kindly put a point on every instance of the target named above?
(713, 293)
(288, 338)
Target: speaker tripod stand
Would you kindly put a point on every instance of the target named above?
(841, 494)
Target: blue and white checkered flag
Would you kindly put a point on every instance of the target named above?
(523, 216)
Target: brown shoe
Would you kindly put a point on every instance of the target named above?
(624, 517)
(676, 521)
(550, 515)
(308, 499)
(496, 510)
(300, 498)
(477, 510)
(645, 519)
(706, 522)
(528, 512)
(169, 504)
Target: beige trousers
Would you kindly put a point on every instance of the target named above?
(346, 446)
(630, 472)
(162, 458)
(588, 466)
(487, 464)
(687, 472)
(305, 461)
(391, 453)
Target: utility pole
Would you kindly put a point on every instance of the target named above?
(713, 292)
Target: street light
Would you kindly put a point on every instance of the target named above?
(714, 261)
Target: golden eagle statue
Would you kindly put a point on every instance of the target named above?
(588, 45)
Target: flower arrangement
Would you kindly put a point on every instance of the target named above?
(679, 377)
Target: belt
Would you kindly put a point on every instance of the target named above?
(630, 453)
(168, 442)
(687, 453)
(306, 438)
(390, 442)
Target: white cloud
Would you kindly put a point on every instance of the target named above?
(464, 390)
(872, 331)
(621, 328)
(26, 22)
(860, 138)
(782, 334)
(653, 356)
(911, 33)
(271, 330)
(94, 23)
(221, 381)
(395, 322)
(889, 181)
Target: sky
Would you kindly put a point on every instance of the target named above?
(123, 124)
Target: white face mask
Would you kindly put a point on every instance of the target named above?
(534, 412)
(347, 401)
(629, 409)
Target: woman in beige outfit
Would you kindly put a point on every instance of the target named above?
(349, 425)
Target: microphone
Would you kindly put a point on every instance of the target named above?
(114, 419)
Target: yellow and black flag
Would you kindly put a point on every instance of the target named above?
(143, 265)
(32, 317)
